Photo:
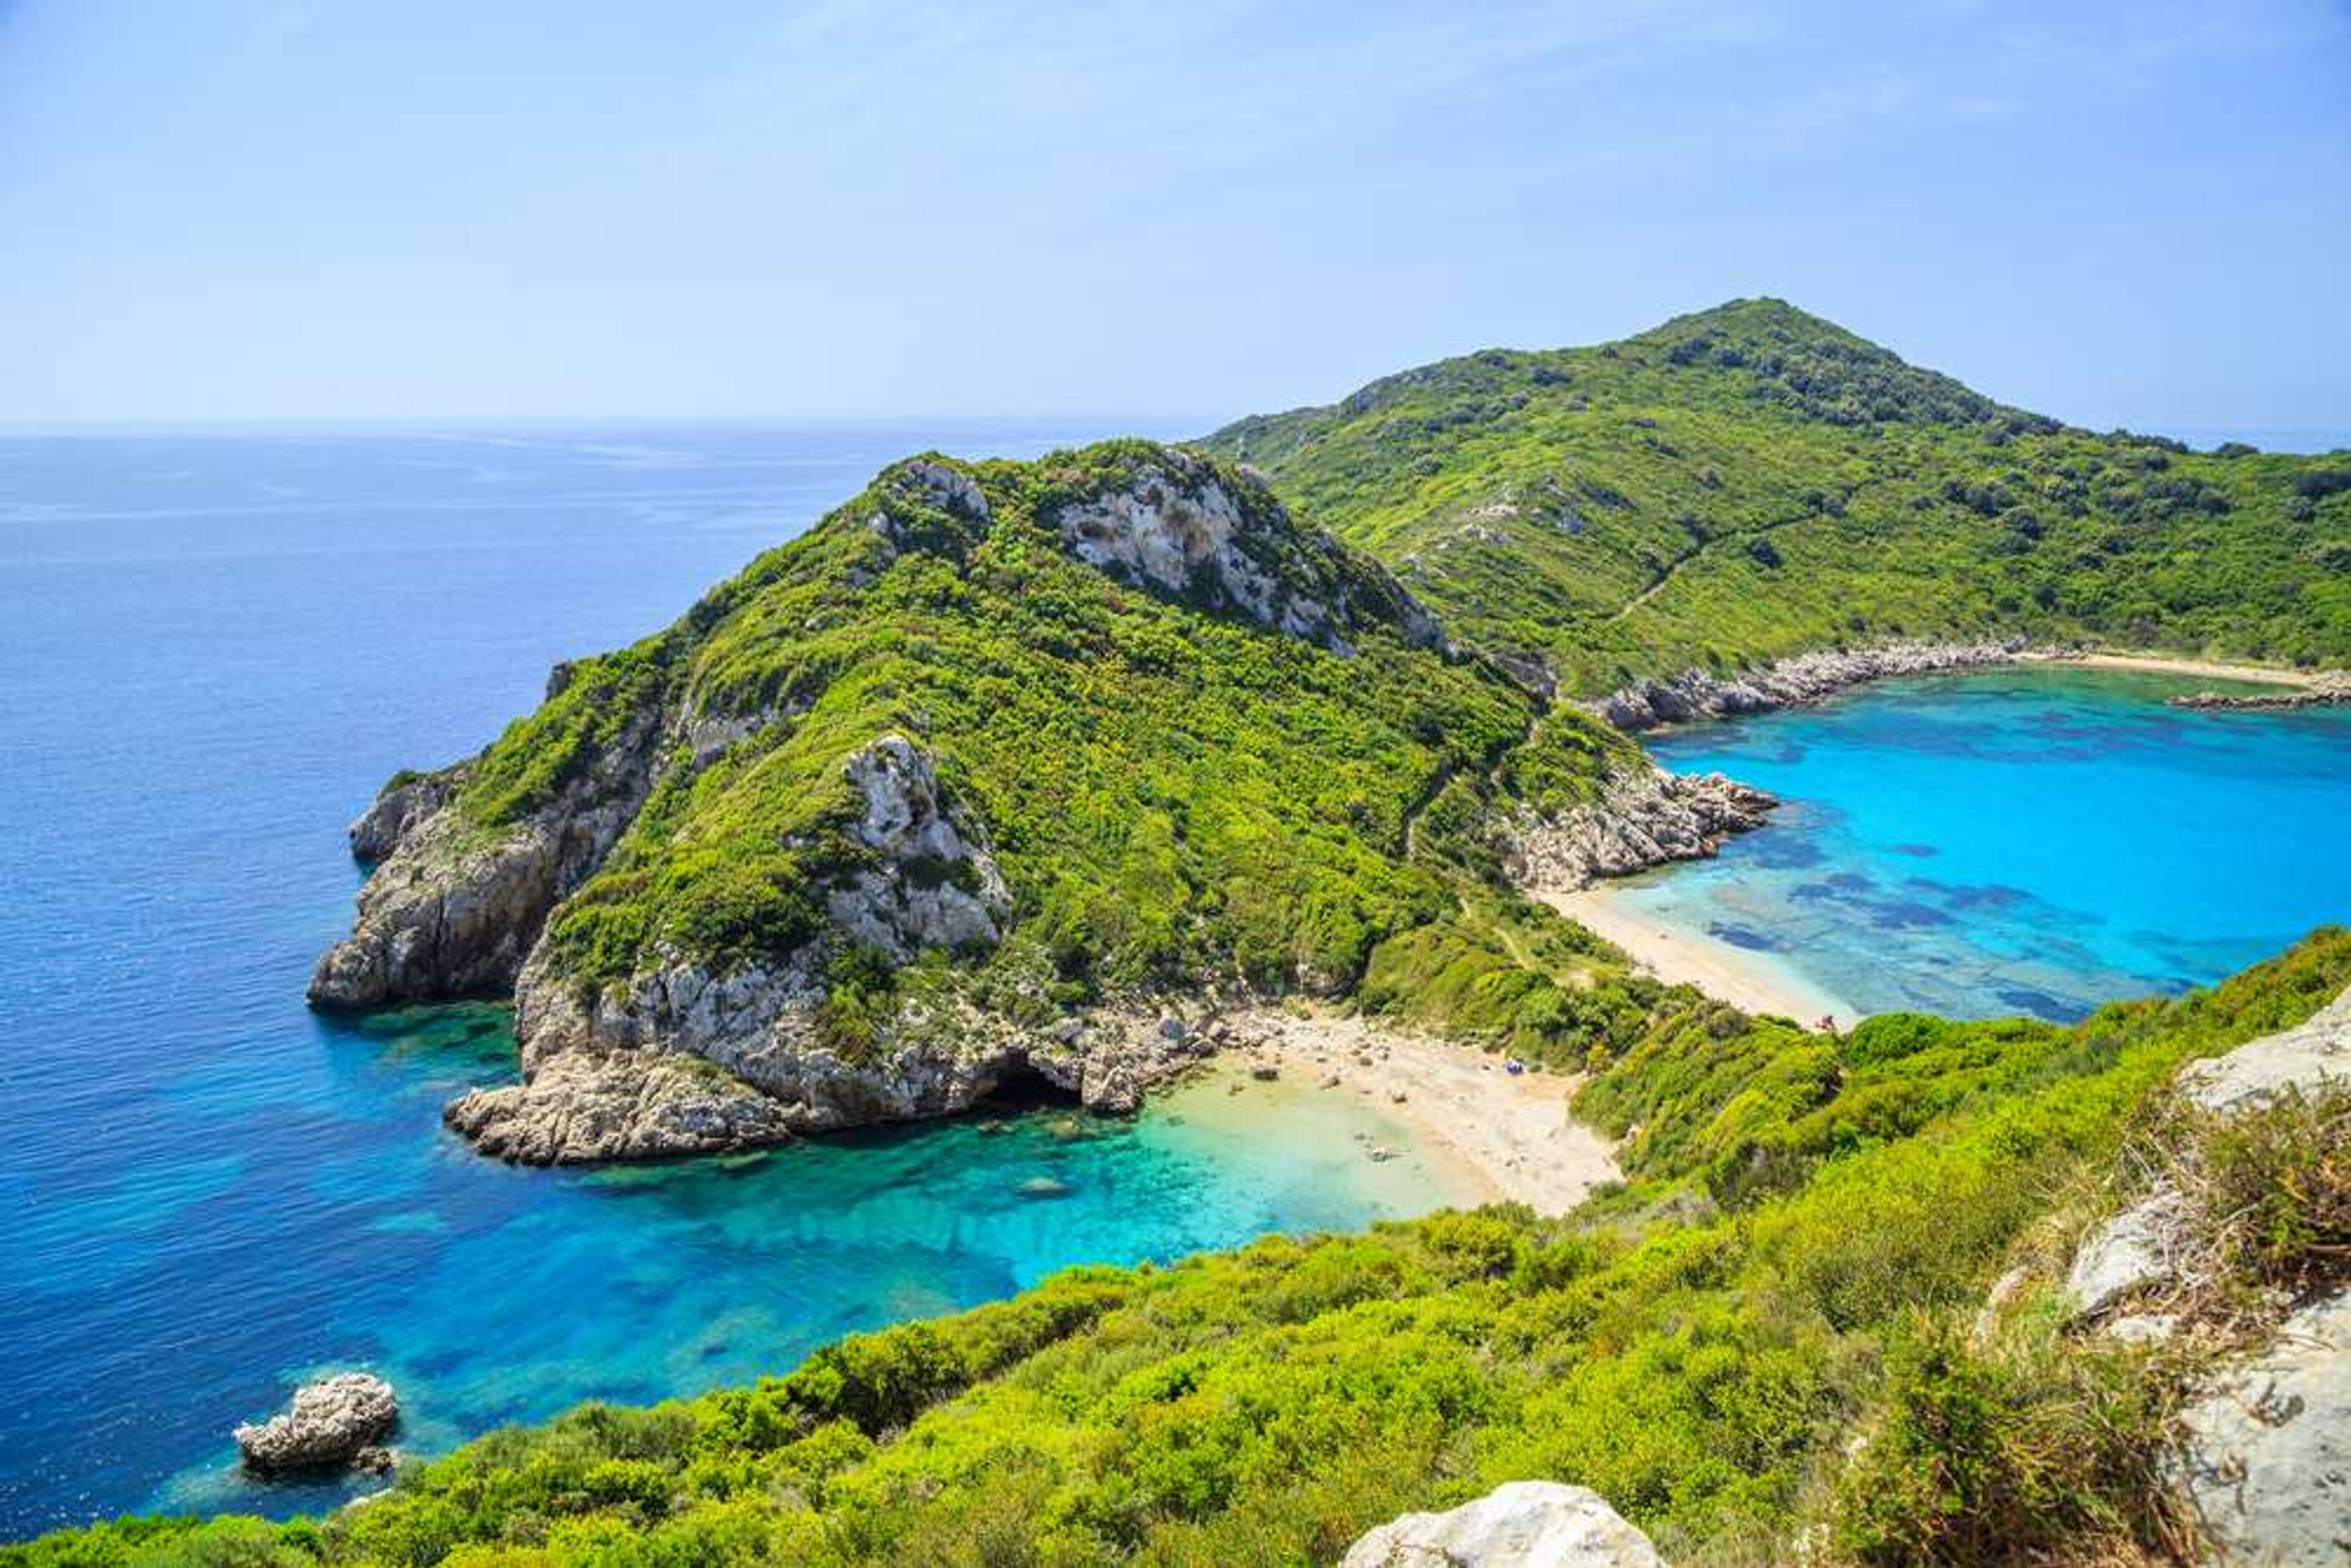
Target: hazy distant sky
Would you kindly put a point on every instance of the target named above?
(2130, 213)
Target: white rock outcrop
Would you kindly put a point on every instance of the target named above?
(934, 883)
(332, 1422)
(1179, 526)
(2129, 1253)
(2269, 1447)
(2312, 1054)
(1645, 818)
(1524, 1525)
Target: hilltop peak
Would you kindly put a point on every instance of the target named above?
(1764, 313)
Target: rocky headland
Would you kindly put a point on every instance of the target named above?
(824, 973)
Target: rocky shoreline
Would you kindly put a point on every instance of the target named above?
(2330, 690)
(1696, 695)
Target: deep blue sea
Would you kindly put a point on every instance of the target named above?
(212, 650)
(2035, 841)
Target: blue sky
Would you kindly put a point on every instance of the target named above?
(1174, 212)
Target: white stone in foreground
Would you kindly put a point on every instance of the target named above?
(1525, 1524)
(2269, 1449)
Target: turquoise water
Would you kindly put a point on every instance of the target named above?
(2035, 841)
(215, 649)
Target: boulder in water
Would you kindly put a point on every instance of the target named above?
(333, 1422)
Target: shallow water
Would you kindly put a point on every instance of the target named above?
(2034, 840)
(215, 649)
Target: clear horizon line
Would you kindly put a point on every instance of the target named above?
(2309, 440)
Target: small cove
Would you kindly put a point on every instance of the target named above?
(2037, 839)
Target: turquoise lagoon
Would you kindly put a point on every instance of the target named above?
(2036, 840)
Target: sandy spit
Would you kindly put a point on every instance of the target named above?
(2206, 669)
(1748, 981)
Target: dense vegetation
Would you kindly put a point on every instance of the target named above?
(1800, 1256)
(1172, 792)
(1751, 480)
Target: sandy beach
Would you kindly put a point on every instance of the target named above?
(1509, 1137)
(1749, 981)
(2206, 669)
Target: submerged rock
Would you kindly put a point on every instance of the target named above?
(1525, 1524)
(333, 1423)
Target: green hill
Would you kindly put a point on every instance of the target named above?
(991, 745)
(1751, 480)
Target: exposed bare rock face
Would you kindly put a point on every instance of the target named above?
(406, 804)
(2312, 1055)
(333, 1423)
(588, 1107)
(1697, 695)
(449, 913)
(1524, 1525)
(1646, 817)
(1182, 528)
(2130, 1253)
(2268, 1457)
(934, 884)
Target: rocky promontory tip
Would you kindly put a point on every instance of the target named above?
(1644, 817)
(333, 1423)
